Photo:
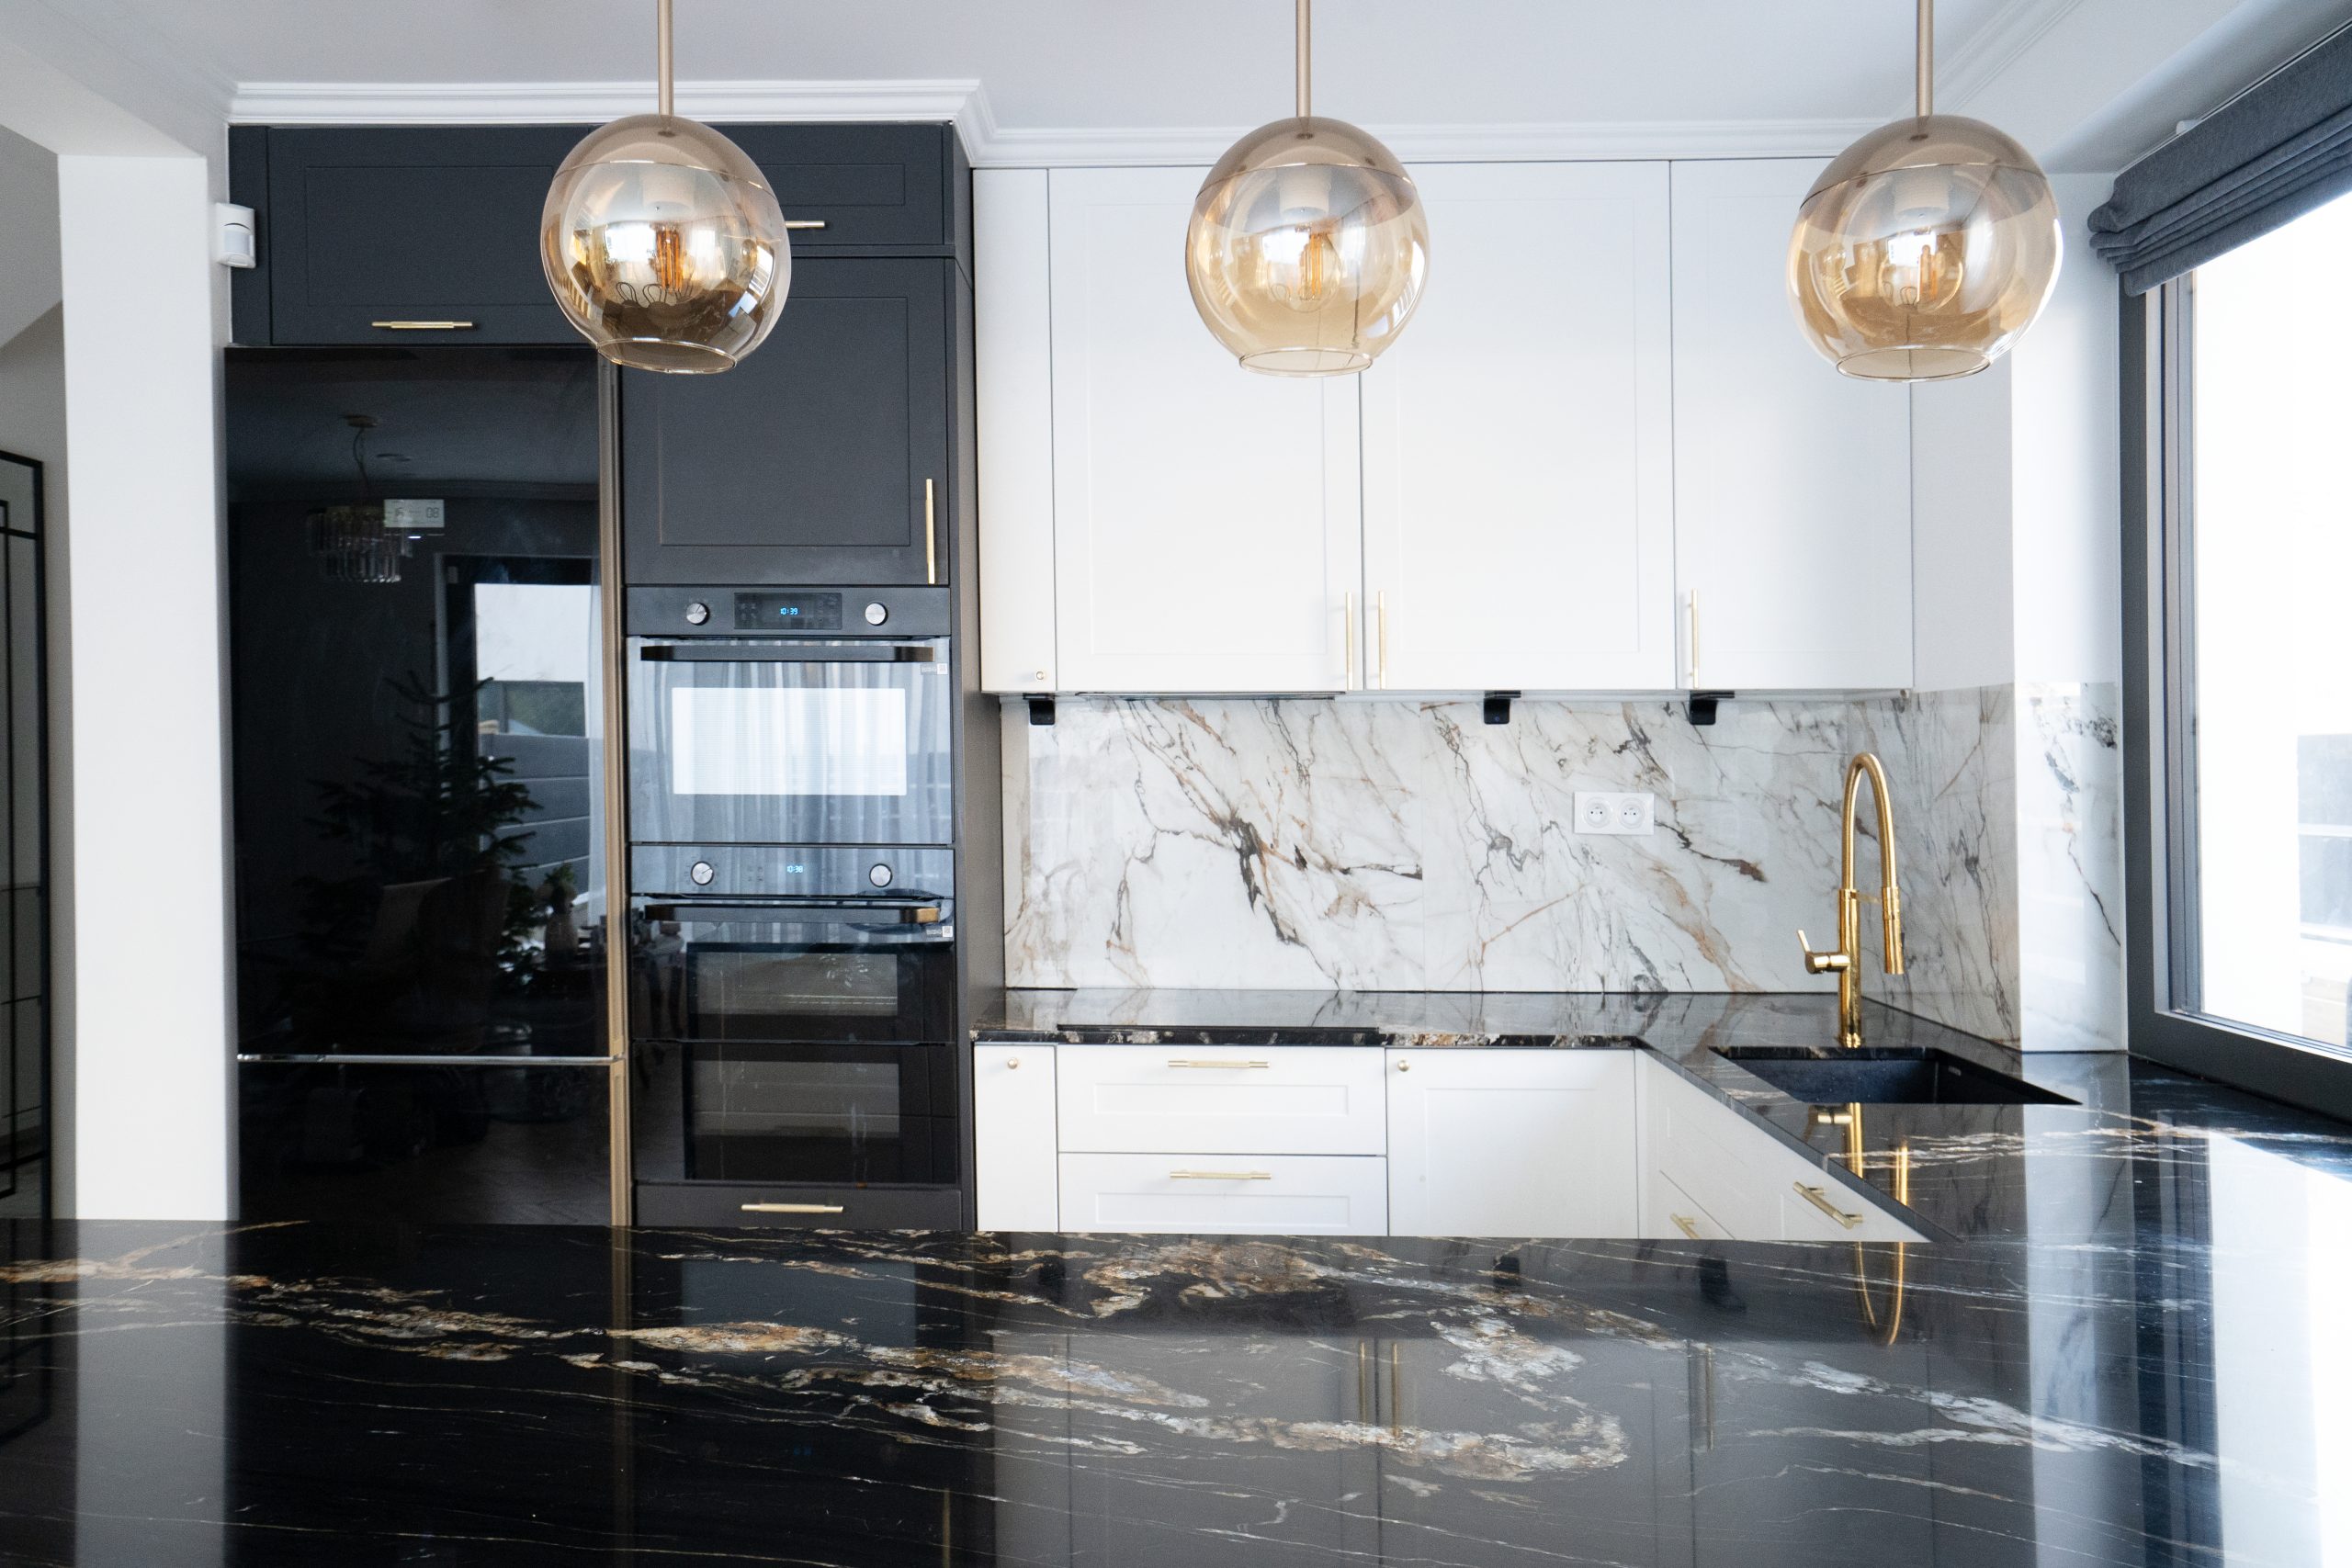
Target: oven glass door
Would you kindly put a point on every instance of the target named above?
(824, 972)
(803, 1115)
(786, 742)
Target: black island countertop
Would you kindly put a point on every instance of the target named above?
(2128, 1352)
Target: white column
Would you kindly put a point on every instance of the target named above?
(150, 955)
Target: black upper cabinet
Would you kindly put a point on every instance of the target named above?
(365, 226)
(822, 457)
(369, 227)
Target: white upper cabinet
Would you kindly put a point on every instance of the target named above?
(1792, 484)
(1517, 450)
(1206, 519)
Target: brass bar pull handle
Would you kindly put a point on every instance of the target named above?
(1220, 1176)
(424, 326)
(931, 532)
(792, 1208)
(1694, 639)
(1384, 640)
(1213, 1063)
(1687, 1226)
(1820, 1200)
(804, 222)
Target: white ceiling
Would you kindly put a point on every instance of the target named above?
(2087, 84)
(1124, 63)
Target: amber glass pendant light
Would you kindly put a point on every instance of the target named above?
(1308, 246)
(662, 241)
(1926, 248)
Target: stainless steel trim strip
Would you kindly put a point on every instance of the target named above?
(389, 1059)
(612, 606)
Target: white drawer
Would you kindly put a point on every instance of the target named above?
(1225, 1194)
(1293, 1100)
(1671, 1214)
(1817, 1206)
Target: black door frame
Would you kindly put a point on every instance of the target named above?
(2160, 893)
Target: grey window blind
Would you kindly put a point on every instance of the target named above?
(2261, 161)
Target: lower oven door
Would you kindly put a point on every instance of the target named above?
(828, 1117)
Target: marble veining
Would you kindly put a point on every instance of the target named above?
(1401, 845)
(2122, 1359)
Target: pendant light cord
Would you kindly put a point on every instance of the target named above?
(1305, 57)
(1926, 89)
(668, 97)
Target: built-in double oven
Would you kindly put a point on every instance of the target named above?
(793, 912)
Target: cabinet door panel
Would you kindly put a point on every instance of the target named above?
(1206, 519)
(1013, 1175)
(1792, 483)
(1517, 448)
(430, 223)
(809, 461)
(1511, 1143)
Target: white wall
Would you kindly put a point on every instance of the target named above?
(151, 1039)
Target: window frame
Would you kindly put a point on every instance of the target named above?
(2159, 777)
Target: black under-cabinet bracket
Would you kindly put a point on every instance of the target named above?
(1041, 711)
(1702, 705)
(1497, 706)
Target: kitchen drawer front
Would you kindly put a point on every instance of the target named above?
(1815, 1206)
(819, 1207)
(1225, 1194)
(1292, 1100)
(1669, 1214)
(1687, 1139)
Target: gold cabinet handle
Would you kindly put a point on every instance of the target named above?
(1220, 1176)
(424, 326)
(1384, 640)
(1819, 1200)
(1694, 639)
(792, 1208)
(1211, 1061)
(804, 222)
(1687, 1226)
(931, 532)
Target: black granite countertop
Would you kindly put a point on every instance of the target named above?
(2129, 1352)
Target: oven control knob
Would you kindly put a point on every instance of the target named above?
(876, 613)
(879, 876)
(702, 872)
(697, 613)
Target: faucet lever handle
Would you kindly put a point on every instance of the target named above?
(1820, 963)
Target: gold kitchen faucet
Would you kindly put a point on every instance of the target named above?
(1845, 959)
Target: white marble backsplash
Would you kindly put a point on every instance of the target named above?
(1389, 845)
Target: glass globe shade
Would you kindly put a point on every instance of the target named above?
(1924, 251)
(665, 246)
(1307, 249)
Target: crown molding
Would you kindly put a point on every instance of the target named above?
(965, 103)
(1565, 142)
(960, 101)
(2000, 43)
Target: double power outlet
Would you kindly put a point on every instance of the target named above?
(1600, 811)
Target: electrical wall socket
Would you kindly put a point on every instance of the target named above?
(1598, 811)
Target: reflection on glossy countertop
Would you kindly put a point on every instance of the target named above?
(2134, 1357)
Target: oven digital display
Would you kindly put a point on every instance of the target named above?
(787, 612)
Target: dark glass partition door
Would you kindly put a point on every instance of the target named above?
(24, 839)
(416, 696)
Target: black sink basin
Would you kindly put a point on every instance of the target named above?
(1884, 1076)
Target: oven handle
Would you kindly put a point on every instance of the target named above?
(909, 914)
(698, 653)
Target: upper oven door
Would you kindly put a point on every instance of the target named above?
(790, 741)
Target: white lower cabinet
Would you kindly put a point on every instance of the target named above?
(1511, 1143)
(1358, 1141)
(1013, 1144)
(1223, 1194)
(1700, 1152)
